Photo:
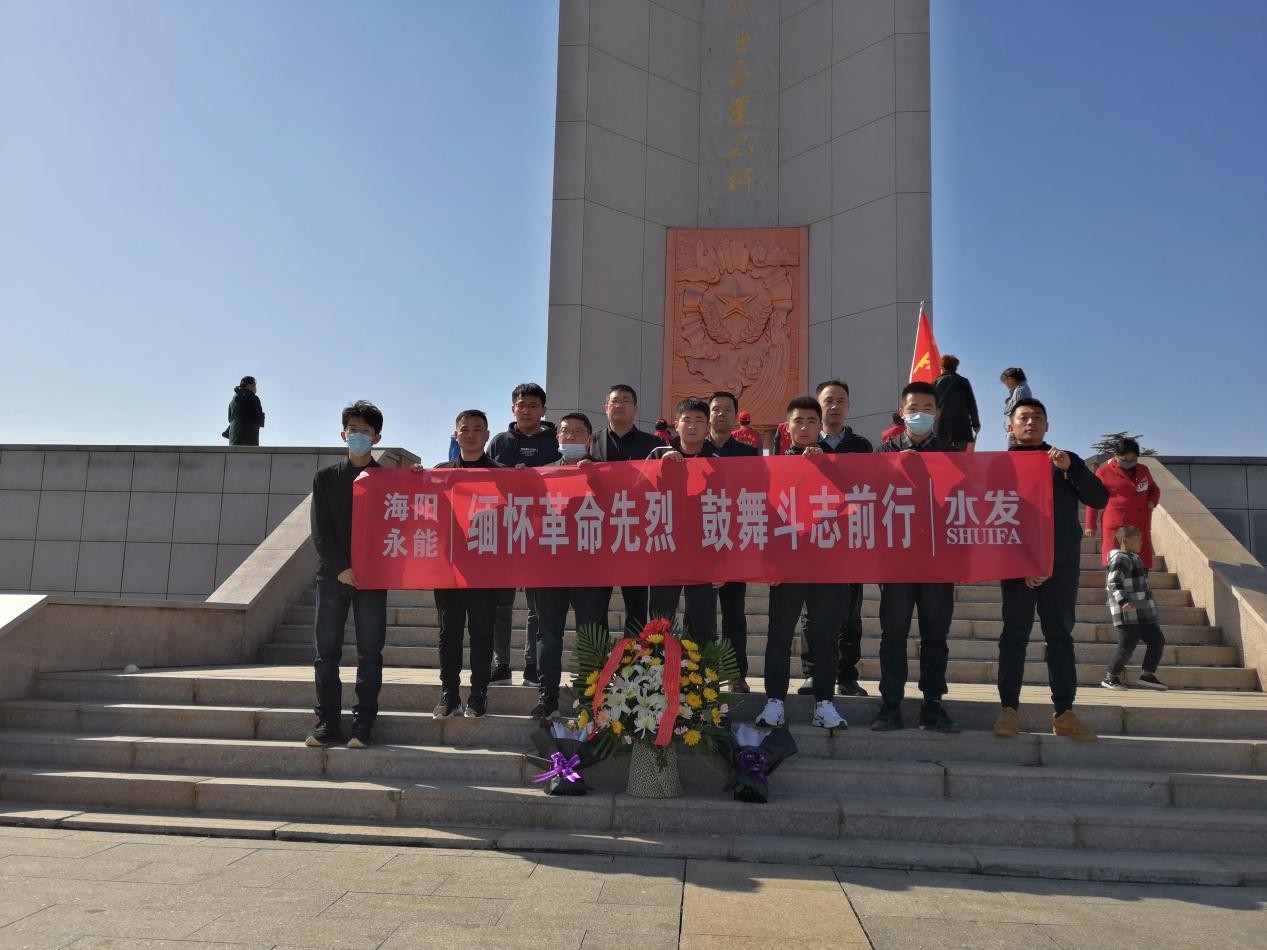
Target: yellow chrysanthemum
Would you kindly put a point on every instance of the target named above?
(589, 690)
(692, 736)
(693, 700)
(709, 673)
(654, 660)
(692, 665)
(696, 679)
(617, 726)
(655, 638)
(716, 717)
(584, 717)
(690, 645)
(592, 678)
(710, 694)
(626, 661)
(694, 656)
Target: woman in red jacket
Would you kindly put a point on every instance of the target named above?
(1132, 497)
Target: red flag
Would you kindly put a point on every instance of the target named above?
(926, 363)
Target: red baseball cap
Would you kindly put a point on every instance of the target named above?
(745, 418)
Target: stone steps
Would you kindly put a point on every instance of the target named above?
(958, 670)
(990, 822)
(984, 631)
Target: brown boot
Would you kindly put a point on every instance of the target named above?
(1067, 724)
(1008, 724)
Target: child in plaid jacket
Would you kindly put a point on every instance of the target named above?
(1134, 612)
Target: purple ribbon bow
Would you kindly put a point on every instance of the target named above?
(754, 763)
(563, 768)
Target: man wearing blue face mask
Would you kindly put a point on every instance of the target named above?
(936, 602)
(589, 604)
(338, 591)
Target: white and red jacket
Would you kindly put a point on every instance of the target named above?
(1132, 496)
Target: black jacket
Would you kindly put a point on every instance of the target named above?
(634, 446)
(513, 448)
(707, 450)
(246, 417)
(903, 442)
(733, 448)
(955, 399)
(850, 442)
(1067, 490)
(331, 517)
(484, 461)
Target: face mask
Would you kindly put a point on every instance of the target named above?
(359, 444)
(919, 423)
(1126, 465)
(573, 451)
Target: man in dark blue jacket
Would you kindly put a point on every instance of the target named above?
(1055, 597)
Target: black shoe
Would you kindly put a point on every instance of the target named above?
(806, 689)
(500, 674)
(531, 678)
(850, 688)
(1149, 681)
(547, 706)
(888, 719)
(450, 705)
(476, 705)
(324, 733)
(361, 736)
(933, 718)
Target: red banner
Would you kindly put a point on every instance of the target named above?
(937, 517)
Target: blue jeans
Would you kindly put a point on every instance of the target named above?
(369, 607)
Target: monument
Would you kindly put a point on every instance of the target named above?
(693, 136)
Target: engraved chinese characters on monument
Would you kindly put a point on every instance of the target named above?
(737, 316)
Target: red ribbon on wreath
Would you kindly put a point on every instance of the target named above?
(672, 681)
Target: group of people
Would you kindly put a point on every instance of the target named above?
(829, 614)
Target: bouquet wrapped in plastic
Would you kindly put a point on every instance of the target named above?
(563, 752)
(754, 754)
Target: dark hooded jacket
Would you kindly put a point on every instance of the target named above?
(512, 447)
(246, 417)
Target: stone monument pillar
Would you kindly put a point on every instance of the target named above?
(692, 115)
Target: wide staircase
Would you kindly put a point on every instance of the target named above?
(1175, 790)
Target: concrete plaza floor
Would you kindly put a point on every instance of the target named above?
(91, 889)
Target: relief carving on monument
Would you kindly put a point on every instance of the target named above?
(737, 317)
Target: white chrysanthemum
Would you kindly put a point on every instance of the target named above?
(646, 721)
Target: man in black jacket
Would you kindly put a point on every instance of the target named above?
(1055, 597)
(723, 414)
(622, 441)
(338, 591)
(936, 602)
(246, 414)
(530, 442)
(838, 438)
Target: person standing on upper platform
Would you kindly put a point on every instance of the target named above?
(957, 420)
(1054, 597)
(1132, 497)
(246, 414)
(1017, 389)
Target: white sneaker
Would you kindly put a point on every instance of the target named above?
(772, 715)
(827, 716)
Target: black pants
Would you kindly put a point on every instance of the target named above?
(701, 608)
(635, 599)
(460, 609)
(848, 640)
(1128, 637)
(1055, 601)
(827, 605)
(733, 598)
(936, 603)
(503, 625)
(590, 607)
(334, 599)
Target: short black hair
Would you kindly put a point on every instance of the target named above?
(1127, 446)
(1022, 403)
(949, 363)
(723, 394)
(247, 381)
(897, 418)
(528, 389)
(367, 412)
(918, 388)
(1013, 372)
(690, 404)
(1127, 531)
(580, 417)
(818, 390)
(623, 388)
(471, 414)
(805, 402)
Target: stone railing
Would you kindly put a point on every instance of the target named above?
(1222, 576)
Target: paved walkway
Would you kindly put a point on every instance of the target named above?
(100, 890)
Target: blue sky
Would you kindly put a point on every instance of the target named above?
(353, 200)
